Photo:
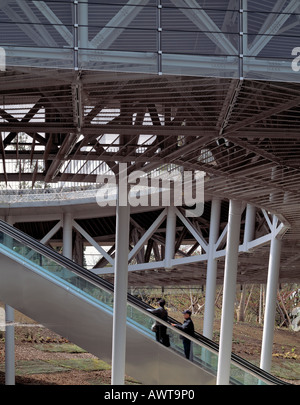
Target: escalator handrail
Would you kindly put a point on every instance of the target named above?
(136, 302)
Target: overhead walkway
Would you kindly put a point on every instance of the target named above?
(78, 304)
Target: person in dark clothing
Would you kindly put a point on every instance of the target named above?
(187, 327)
(161, 330)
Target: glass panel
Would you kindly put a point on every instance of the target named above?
(211, 4)
(199, 43)
(272, 24)
(271, 69)
(118, 36)
(270, 6)
(120, 39)
(117, 16)
(40, 58)
(277, 47)
(204, 19)
(50, 267)
(114, 61)
(38, 34)
(192, 65)
(196, 40)
(31, 11)
(273, 35)
(200, 355)
(29, 35)
(239, 376)
(152, 3)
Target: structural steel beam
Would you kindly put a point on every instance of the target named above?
(263, 115)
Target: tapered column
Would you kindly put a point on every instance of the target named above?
(211, 278)
(9, 335)
(170, 236)
(249, 233)
(230, 276)
(67, 235)
(9, 346)
(120, 295)
(270, 310)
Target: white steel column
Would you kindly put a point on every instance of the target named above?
(211, 277)
(230, 275)
(170, 236)
(9, 346)
(120, 295)
(67, 235)
(9, 339)
(271, 293)
(249, 233)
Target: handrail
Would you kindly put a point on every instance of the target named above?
(133, 301)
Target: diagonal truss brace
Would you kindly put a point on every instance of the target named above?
(201, 19)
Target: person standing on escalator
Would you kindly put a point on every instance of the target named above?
(161, 330)
(188, 328)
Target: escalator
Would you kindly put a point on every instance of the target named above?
(77, 304)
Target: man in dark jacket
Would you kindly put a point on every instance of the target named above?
(187, 327)
(161, 330)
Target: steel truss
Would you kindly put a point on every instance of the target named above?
(152, 262)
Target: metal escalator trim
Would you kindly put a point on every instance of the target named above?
(137, 303)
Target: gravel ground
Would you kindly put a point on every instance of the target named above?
(247, 341)
(28, 352)
(26, 349)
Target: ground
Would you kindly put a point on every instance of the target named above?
(44, 358)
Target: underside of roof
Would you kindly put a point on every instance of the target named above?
(242, 134)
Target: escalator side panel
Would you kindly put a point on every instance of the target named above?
(57, 308)
(89, 325)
